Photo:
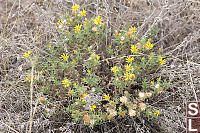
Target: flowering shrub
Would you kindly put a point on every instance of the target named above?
(100, 82)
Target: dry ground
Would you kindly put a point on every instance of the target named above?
(29, 24)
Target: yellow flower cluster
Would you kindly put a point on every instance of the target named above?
(64, 57)
(95, 57)
(149, 45)
(92, 107)
(134, 48)
(77, 28)
(106, 97)
(61, 24)
(98, 20)
(66, 82)
(117, 34)
(75, 7)
(129, 59)
(162, 61)
(157, 113)
(115, 69)
(28, 77)
(133, 29)
(83, 12)
(128, 67)
(82, 96)
(129, 76)
(27, 54)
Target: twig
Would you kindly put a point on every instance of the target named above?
(192, 86)
(9, 127)
(31, 97)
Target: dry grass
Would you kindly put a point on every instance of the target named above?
(26, 25)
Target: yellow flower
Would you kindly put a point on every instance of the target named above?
(98, 57)
(84, 101)
(28, 77)
(92, 107)
(129, 59)
(75, 51)
(133, 29)
(109, 46)
(64, 56)
(129, 76)
(27, 54)
(83, 12)
(159, 78)
(49, 45)
(89, 71)
(114, 69)
(66, 83)
(117, 34)
(77, 28)
(76, 7)
(149, 40)
(41, 72)
(143, 58)
(149, 45)
(128, 67)
(134, 48)
(98, 20)
(106, 97)
(162, 61)
(89, 49)
(157, 113)
(93, 55)
(82, 95)
(126, 75)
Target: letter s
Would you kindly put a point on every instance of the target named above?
(194, 109)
